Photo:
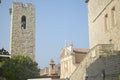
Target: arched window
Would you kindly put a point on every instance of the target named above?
(23, 22)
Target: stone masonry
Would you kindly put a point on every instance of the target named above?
(22, 34)
(101, 57)
(104, 22)
(104, 68)
(103, 60)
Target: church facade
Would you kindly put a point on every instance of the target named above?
(70, 59)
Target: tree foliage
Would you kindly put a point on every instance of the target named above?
(20, 68)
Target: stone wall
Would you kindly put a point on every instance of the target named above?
(98, 11)
(104, 68)
(22, 41)
(103, 60)
(100, 50)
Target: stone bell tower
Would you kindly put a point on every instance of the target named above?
(52, 67)
(22, 34)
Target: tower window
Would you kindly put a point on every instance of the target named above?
(23, 22)
(52, 66)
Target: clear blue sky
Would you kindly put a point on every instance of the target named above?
(56, 21)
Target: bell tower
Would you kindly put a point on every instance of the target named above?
(52, 67)
(22, 34)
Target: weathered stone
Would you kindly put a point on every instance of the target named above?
(97, 11)
(103, 60)
(22, 38)
(95, 62)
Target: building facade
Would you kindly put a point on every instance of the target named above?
(52, 70)
(70, 58)
(102, 61)
(104, 26)
(22, 34)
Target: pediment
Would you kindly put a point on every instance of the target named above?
(64, 53)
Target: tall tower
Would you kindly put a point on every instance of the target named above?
(22, 34)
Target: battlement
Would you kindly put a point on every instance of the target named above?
(20, 4)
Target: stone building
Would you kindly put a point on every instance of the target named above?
(104, 26)
(44, 71)
(102, 61)
(51, 70)
(70, 58)
(104, 17)
(22, 34)
(51, 67)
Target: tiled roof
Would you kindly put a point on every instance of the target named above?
(78, 50)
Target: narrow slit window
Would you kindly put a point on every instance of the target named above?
(106, 22)
(52, 66)
(23, 22)
(113, 16)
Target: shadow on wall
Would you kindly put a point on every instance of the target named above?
(104, 68)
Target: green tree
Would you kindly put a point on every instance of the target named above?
(20, 68)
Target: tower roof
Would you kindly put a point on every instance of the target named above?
(52, 61)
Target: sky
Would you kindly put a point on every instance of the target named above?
(57, 22)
